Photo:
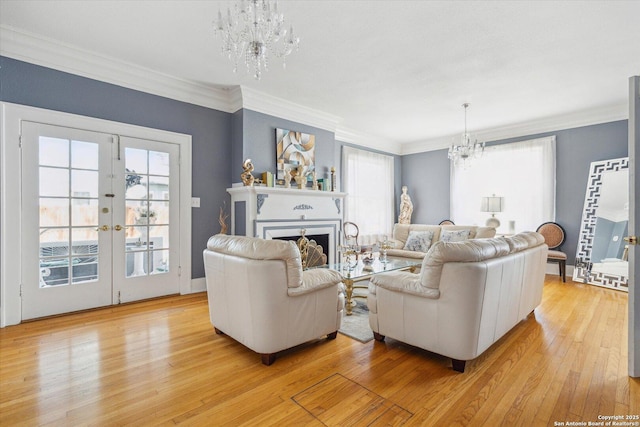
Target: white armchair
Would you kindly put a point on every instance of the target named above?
(260, 296)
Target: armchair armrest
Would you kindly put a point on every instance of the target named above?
(315, 279)
(404, 281)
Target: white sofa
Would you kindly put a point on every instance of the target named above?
(401, 234)
(259, 295)
(467, 295)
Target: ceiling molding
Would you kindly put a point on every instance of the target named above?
(609, 113)
(267, 104)
(358, 138)
(235, 99)
(29, 47)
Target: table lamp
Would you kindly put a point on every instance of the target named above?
(492, 204)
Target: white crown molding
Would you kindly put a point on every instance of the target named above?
(29, 47)
(235, 99)
(358, 138)
(609, 113)
(267, 104)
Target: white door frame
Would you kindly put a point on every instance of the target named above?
(634, 226)
(11, 116)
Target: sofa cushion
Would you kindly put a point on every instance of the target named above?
(524, 240)
(467, 251)
(475, 232)
(419, 241)
(406, 253)
(454, 235)
(396, 244)
(401, 231)
(532, 237)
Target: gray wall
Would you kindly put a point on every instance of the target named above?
(28, 84)
(575, 150)
(427, 177)
(259, 143)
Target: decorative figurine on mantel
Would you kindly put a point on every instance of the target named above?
(406, 207)
(300, 177)
(247, 178)
(287, 178)
(333, 178)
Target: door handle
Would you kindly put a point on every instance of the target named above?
(103, 228)
(632, 240)
(117, 227)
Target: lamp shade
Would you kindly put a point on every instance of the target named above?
(491, 204)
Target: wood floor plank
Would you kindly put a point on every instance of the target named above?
(159, 362)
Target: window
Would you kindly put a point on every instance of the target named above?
(523, 173)
(368, 182)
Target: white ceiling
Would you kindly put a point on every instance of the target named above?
(397, 71)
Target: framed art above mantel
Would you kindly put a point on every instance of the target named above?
(294, 150)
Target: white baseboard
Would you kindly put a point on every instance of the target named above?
(198, 285)
(553, 269)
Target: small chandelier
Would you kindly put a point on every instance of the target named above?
(252, 31)
(468, 148)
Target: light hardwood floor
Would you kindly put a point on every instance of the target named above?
(160, 363)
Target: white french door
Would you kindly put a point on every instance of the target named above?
(100, 222)
(145, 263)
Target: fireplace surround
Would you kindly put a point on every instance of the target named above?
(276, 213)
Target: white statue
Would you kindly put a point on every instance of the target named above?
(287, 178)
(406, 207)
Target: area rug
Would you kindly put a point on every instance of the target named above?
(357, 326)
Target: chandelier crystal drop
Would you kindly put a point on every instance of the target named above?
(468, 148)
(252, 31)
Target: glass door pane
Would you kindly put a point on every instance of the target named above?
(68, 211)
(147, 201)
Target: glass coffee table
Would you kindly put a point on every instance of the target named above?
(360, 271)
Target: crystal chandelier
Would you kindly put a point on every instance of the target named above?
(252, 31)
(468, 148)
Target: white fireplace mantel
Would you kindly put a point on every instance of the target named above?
(272, 212)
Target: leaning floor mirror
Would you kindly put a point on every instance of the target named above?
(601, 257)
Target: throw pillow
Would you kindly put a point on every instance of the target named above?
(454, 235)
(419, 241)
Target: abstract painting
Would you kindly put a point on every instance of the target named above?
(294, 149)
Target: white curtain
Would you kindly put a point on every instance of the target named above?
(523, 173)
(368, 182)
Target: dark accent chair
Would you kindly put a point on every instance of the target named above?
(554, 236)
